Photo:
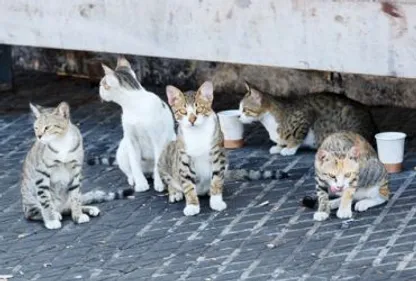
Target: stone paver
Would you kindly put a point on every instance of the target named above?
(148, 239)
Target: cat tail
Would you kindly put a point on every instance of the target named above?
(102, 160)
(248, 174)
(98, 196)
(310, 201)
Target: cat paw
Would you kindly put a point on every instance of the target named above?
(363, 205)
(345, 213)
(58, 216)
(175, 197)
(141, 186)
(191, 210)
(83, 218)
(158, 185)
(216, 203)
(54, 224)
(288, 151)
(320, 216)
(275, 149)
(93, 211)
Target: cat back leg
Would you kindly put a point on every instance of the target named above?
(380, 197)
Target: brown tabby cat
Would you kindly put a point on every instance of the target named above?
(195, 163)
(304, 121)
(347, 167)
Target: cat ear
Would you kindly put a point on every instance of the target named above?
(247, 85)
(35, 109)
(206, 91)
(107, 70)
(122, 61)
(256, 95)
(321, 155)
(63, 110)
(173, 94)
(355, 151)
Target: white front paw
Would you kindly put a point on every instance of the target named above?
(320, 216)
(191, 210)
(130, 181)
(175, 197)
(158, 185)
(140, 186)
(83, 218)
(93, 211)
(344, 213)
(275, 149)
(54, 224)
(288, 151)
(58, 216)
(362, 205)
(216, 203)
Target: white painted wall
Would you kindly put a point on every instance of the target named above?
(345, 35)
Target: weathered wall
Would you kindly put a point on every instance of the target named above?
(375, 37)
(228, 78)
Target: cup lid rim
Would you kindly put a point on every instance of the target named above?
(390, 136)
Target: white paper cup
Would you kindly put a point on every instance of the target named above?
(232, 128)
(390, 149)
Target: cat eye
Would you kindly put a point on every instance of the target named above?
(332, 176)
(198, 110)
(182, 111)
(47, 128)
(347, 175)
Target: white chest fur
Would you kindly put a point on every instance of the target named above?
(198, 143)
(271, 125)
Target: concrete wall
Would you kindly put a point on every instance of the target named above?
(351, 36)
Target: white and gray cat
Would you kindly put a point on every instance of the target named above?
(52, 171)
(147, 122)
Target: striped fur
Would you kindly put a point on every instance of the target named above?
(304, 121)
(195, 163)
(347, 167)
(250, 174)
(52, 171)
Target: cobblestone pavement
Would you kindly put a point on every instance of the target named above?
(265, 234)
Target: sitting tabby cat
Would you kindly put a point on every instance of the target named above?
(347, 167)
(195, 163)
(52, 171)
(147, 122)
(304, 121)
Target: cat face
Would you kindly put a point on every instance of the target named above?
(251, 107)
(115, 81)
(50, 123)
(191, 109)
(338, 171)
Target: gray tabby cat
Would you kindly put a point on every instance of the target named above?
(195, 163)
(51, 177)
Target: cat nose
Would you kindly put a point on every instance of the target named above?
(39, 136)
(192, 119)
